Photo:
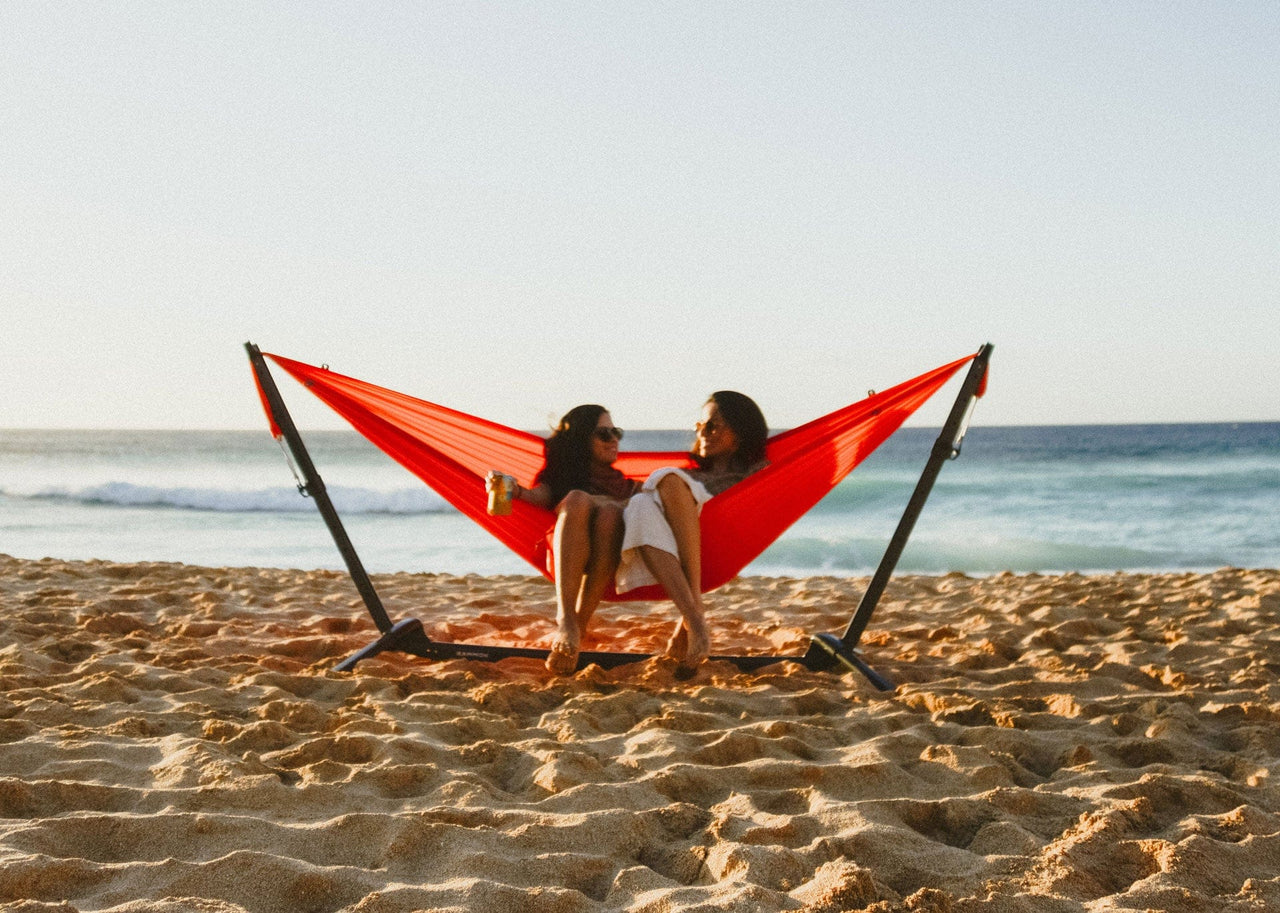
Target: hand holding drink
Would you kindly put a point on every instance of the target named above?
(501, 489)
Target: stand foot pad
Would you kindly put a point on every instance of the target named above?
(849, 658)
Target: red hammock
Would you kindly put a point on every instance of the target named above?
(451, 452)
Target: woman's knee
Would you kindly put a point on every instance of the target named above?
(575, 504)
(673, 487)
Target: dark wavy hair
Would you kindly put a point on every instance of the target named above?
(742, 414)
(567, 463)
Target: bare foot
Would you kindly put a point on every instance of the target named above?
(695, 654)
(678, 645)
(563, 658)
(690, 649)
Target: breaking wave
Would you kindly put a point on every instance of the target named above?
(348, 500)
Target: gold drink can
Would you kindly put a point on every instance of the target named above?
(499, 496)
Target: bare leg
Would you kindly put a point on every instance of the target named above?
(606, 545)
(682, 577)
(692, 641)
(572, 548)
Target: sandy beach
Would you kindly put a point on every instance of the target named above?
(173, 738)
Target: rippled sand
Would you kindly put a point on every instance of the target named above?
(172, 739)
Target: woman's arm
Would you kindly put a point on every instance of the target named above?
(539, 495)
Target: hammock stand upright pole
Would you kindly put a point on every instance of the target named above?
(843, 649)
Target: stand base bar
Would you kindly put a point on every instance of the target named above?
(409, 637)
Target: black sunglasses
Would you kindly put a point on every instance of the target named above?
(605, 435)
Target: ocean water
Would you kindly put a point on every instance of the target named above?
(1031, 499)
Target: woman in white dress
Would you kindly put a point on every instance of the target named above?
(662, 541)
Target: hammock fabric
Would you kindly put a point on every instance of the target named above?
(451, 452)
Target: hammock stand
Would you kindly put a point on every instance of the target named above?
(826, 651)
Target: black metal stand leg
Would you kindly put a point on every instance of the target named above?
(316, 490)
(825, 650)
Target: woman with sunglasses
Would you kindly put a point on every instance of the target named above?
(662, 541)
(579, 481)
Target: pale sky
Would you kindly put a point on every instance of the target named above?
(511, 208)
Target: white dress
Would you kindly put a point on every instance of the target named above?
(646, 524)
